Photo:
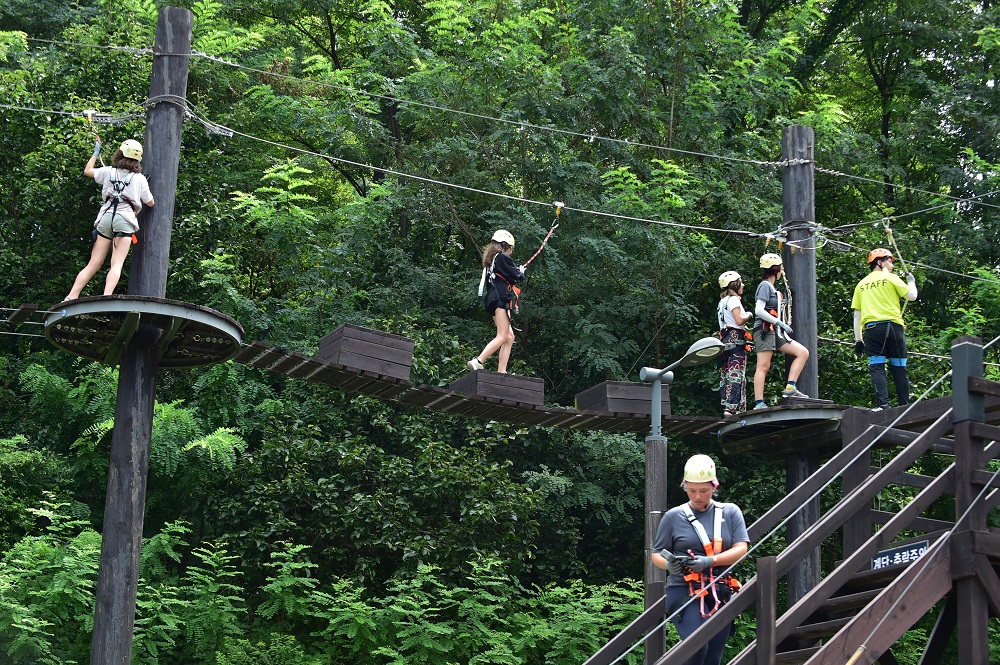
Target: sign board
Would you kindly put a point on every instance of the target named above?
(899, 555)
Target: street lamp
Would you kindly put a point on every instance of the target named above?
(701, 351)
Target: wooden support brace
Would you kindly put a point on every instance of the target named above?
(22, 313)
(121, 340)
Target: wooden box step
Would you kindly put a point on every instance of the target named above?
(622, 397)
(506, 387)
(368, 350)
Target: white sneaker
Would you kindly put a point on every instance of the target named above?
(474, 365)
(793, 392)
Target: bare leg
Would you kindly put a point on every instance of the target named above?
(122, 245)
(760, 374)
(502, 342)
(508, 344)
(97, 254)
(799, 356)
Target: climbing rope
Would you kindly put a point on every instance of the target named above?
(555, 224)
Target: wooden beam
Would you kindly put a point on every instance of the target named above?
(988, 578)
(981, 386)
(886, 618)
(22, 313)
(937, 645)
(767, 609)
(121, 340)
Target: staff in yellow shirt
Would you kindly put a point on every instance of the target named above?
(877, 313)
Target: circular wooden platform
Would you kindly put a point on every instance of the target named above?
(780, 430)
(100, 328)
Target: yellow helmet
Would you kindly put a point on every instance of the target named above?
(727, 278)
(700, 469)
(503, 236)
(769, 260)
(132, 149)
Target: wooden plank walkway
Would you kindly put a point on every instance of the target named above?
(450, 402)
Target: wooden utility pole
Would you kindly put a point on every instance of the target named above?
(799, 218)
(118, 577)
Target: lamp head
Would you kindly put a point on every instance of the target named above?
(702, 351)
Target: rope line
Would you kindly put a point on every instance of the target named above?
(516, 123)
(219, 129)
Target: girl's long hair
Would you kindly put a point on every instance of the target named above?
(491, 251)
(120, 161)
(732, 289)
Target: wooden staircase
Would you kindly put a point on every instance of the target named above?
(861, 608)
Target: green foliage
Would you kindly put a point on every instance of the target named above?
(214, 606)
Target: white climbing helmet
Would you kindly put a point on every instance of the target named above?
(700, 469)
(727, 278)
(769, 260)
(132, 149)
(503, 236)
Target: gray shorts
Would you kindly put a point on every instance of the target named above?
(119, 227)
(767, 341)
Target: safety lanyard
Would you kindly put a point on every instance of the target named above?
(712, 547)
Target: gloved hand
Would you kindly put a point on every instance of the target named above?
(521, 270)
(673, 563)
(784, 326)
(700, 563)
(859, 349)
(97, 149)
(910, 279)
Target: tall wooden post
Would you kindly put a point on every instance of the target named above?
(799, 217)
(973, 610)
(118, 577)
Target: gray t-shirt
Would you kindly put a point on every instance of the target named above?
(678, 536)
(769, 294)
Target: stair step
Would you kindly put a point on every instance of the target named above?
(878, 578)
(814, 631)
(796, 657)
(837, 606)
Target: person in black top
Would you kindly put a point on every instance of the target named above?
(499, 276)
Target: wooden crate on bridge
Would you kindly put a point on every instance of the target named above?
(621, 397)
(368, 350)
(506, 387)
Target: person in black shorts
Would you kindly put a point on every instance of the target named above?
(500, 275)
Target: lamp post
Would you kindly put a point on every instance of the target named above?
(700, 352)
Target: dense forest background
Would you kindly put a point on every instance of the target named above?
(290, 523)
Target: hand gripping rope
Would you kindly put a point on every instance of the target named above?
(90, 113)
(895, 253)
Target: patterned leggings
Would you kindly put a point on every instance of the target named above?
(733, 370)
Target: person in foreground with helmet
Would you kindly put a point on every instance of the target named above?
(124, 190)
(733, 361)
(878, 314)
(771, 333)
(695, 542)
(500, 274)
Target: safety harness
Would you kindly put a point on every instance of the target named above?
(117, 197)
(702, 584)
(491, 274)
